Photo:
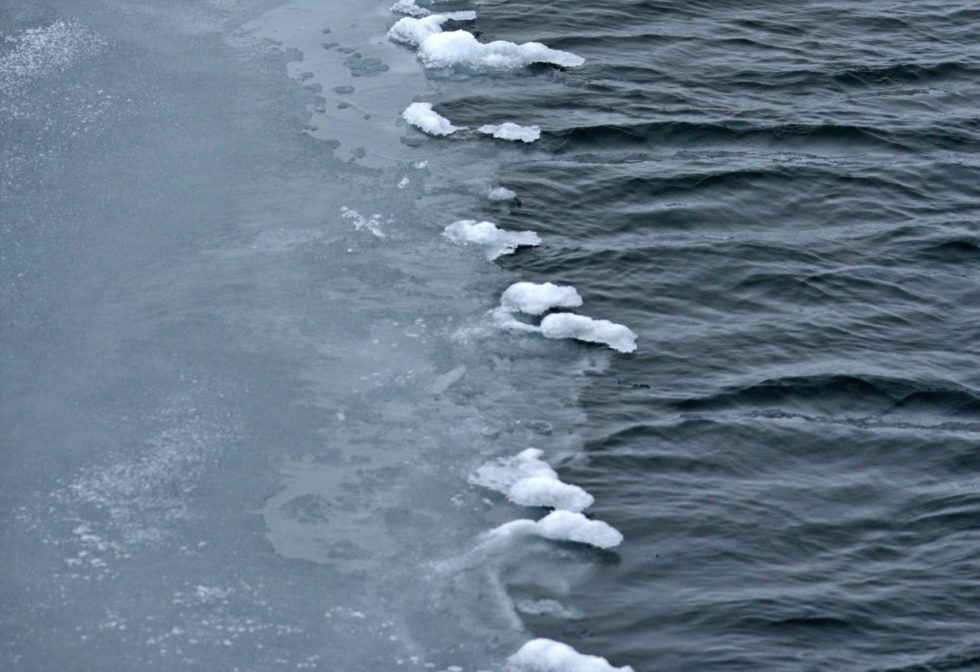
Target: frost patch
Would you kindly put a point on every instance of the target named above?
(371, 224)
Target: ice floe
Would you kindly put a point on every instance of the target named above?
(501, 194)
(582, 328)
(511, 131)
(538, 298)
(414, 31)
(439, 49)
(528, 480)
(560, 526)
(547, 655)
(496, 242)
(427, 120)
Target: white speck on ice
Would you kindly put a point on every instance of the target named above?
(372, 223)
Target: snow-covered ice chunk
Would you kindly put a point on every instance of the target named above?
(495, 241)
(460, 48)
(569, 325)
(528, 480)
(427, 120)
(409, 8)
(550, 492)
(561, 526)
(413, 31)
(534, 298)
(501, 194)
(511, 131)
(547, 655)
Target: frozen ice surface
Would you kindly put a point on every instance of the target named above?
(547, 655)
(495, 241)
(538, 298)
(424, 118)
(582, 328)
(511, 131)
(37, 52)
(461, 48)
(528, 480)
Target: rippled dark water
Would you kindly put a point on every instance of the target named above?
(236, 422)
(782, 199)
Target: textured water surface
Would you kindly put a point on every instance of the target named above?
(244, 379)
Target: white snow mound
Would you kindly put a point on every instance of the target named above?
(496, 242)
(547, 655)
(582, 328)
(511, 131)
(535, 299)
(527, 480)
(414, 31)
(427, 120)
(561, 526)
(460, 48)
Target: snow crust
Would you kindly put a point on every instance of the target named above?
(496, 242)
(511, 131)
(528, 480)
(427, 120)
(413, 31)
(538, 298)
(461, 48)
(547, 655)
(591, 330)
(561, 526)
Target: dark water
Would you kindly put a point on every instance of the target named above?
(782, 199)
(227, 435)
